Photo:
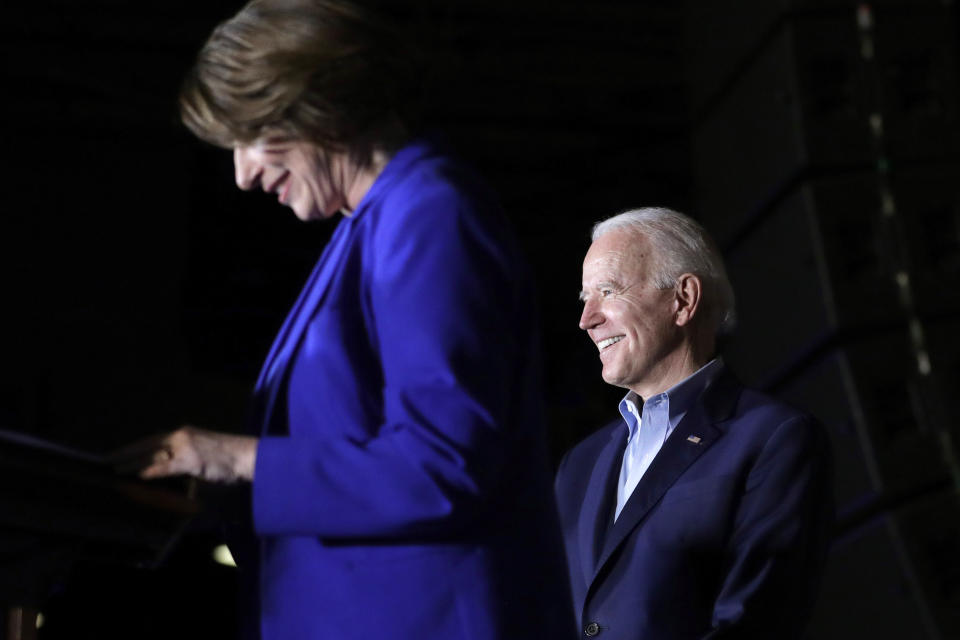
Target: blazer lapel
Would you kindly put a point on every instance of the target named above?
(288, 338)
(592, 525)
(692, 436)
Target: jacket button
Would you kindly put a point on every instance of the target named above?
(591, 629)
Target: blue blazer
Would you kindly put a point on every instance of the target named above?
(724, 536)
(401, 487)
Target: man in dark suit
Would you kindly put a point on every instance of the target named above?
(704, 512)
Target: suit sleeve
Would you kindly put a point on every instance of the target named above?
(445, 323)
(780, 538)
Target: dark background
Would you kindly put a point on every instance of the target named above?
(816, 139)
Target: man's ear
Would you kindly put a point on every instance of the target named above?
(688, 293)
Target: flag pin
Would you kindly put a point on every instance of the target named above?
(694, 439)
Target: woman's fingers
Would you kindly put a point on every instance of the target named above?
(209, 455)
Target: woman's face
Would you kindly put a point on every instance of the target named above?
(304, 177)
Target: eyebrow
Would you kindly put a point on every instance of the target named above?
(606, 284)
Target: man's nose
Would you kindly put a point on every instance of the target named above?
(591, 315)
(245, 168)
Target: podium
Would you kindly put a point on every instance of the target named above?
(59, 506)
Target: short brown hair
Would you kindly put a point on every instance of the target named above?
(323, 71)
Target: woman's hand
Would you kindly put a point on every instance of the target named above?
(208, 455)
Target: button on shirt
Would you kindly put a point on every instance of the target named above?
(650, 427)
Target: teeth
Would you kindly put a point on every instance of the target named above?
(603, 344)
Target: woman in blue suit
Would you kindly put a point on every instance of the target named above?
(400, 487)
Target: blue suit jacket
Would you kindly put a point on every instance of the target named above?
(723, 537)
(405, 491)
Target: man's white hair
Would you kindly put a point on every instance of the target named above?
(681, 246)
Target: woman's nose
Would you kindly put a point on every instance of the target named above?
(246, 169)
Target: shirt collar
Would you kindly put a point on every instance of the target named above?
(677, 399)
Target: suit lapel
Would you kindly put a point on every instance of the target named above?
(691, 438)
(592, 525)
(273, 372)
(288, 339)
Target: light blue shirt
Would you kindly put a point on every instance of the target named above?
(660, 415)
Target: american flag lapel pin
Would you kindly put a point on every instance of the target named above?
(693, 439)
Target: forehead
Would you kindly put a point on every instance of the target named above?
(618, 255)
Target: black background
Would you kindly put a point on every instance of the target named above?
(142, 288)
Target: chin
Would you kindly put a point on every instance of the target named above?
(319, 213)
(307, 213)
(611, 378)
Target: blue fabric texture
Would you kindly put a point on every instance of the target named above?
(402, 488)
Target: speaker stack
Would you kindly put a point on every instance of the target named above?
(826, 154)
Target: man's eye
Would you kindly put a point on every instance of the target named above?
(606, 293)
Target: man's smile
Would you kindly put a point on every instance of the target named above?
(606, 342)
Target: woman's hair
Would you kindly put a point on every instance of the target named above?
(681, 246)
(323, 71)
